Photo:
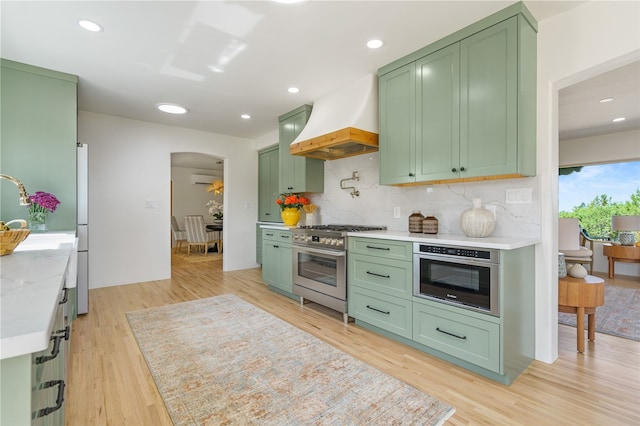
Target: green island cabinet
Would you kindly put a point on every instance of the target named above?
(268, 186)
(462, 108)
(39, 136)
(33, 385)
(381, 299)
(277, 255)
(297, 174)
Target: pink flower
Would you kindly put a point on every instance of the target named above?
(43, 200)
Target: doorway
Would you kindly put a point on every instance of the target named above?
(192, 192)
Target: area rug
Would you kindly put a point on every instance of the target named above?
(222, 360)
(198, 257)
(619, 316)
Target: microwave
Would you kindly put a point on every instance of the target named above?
(461, 276)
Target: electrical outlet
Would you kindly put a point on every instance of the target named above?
(396, 212)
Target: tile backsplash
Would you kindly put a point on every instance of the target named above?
(375, 204)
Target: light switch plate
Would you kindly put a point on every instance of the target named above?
(396, 212)
(519, 195)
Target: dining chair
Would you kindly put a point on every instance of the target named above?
(197, 234)
(179, 235)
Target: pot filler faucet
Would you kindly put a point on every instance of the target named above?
(24, 196)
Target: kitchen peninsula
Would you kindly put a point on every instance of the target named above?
(38, 304)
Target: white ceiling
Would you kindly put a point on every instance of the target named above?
(152, 52)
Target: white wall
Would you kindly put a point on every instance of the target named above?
(130, 163)
(585, 41)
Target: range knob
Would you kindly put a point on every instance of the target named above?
(340, 243)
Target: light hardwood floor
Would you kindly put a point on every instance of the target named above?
(110, 384)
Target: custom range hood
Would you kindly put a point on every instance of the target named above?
(342, 124)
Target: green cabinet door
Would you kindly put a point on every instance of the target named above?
(297, 174)
(268, 176)
(438, 119)
(397, 124)
(277, 263)
(489, 96)
(463, 107)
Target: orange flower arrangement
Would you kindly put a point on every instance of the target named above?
(292, 201)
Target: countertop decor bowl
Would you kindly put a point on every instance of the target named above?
(11, 238)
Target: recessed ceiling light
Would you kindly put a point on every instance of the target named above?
(245, 116)
(616, 120)
(605, 100)
(374, 44)
(90, 25)
(293, 90)
(172, 108)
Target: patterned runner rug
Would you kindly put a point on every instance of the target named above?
(222, 360)
(619, 316)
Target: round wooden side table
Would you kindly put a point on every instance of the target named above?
(581, 296)
(620, 254)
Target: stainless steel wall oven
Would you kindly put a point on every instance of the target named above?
(461, 276)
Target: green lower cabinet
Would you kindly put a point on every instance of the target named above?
(380, 298)
(387, 276)
(462, 336)
(33, 385)
(389, 313)
(277, 263)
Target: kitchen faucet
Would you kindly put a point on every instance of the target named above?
(24, 196)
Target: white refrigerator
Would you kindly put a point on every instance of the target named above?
(83, 228)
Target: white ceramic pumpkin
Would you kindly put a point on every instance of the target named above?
(577, 271)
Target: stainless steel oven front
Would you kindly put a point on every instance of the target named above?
(462, 276)
(319, 274)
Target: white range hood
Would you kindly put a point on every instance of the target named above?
(342, 124)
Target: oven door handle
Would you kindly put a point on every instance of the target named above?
(337, 253)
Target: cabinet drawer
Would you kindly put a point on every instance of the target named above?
(389, 249)
(386, 312)
(283, 236)
(461, 336)
(386, 276)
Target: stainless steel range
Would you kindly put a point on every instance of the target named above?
(320, 264)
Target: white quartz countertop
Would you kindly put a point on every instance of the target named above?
(501, 243)
(273, 225)
(31, 280)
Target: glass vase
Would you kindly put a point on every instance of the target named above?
(290, 216)
(38, 221)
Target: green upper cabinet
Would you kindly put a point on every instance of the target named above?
(297, 174)
(397, 125)
(462, 108)
(268, 176)
(39, 135)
